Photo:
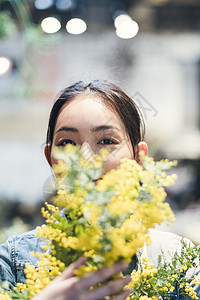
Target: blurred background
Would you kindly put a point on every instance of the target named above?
(150, 48)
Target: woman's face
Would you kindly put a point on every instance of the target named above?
(87, 122)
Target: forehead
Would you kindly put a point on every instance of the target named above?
(88, 109)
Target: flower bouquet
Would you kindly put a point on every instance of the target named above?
(108, 221)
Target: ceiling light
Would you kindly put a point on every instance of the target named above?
(121, 19)
(50, 25)
(127, 30)
(76, 26)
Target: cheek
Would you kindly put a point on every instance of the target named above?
(114, 158)
(110, 163)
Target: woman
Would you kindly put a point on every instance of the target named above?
(93, 116)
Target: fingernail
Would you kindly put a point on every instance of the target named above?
(82, 259)
(129, 291)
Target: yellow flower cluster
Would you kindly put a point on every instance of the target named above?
(97, 160)
(70, 201)
(46, 213)
(20, 286)
(144, 278)
(39, 277)
(196, 280)
(190, 291)
(148, 268)
(184, 268)
(50, 233)
(147, 272)
(84, 270)
(148, 298)
(129, 180)
(107, 220)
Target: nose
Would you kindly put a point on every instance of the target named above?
(87, 152)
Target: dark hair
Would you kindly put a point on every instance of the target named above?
(113, 97)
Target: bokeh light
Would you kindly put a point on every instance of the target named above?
(43, 4)
(122, 18)
(127, 30)
(50, 25)
(64, 4)
(76, 26)
(5, 65)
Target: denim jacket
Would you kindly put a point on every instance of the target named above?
(15, 253)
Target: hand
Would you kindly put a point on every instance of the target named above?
(67, 286)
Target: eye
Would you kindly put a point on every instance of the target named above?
(65, 142)
(107, 142)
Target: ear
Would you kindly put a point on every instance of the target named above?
(142, 146)
(47, 152)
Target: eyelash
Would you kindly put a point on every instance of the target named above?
(64, 142)
(112, 142)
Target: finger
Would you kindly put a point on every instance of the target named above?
(100, 275)
(69, 272)
(123, 295)
(108, 289)
(59, 289)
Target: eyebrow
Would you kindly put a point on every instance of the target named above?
(95, 129)
(103, 128)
